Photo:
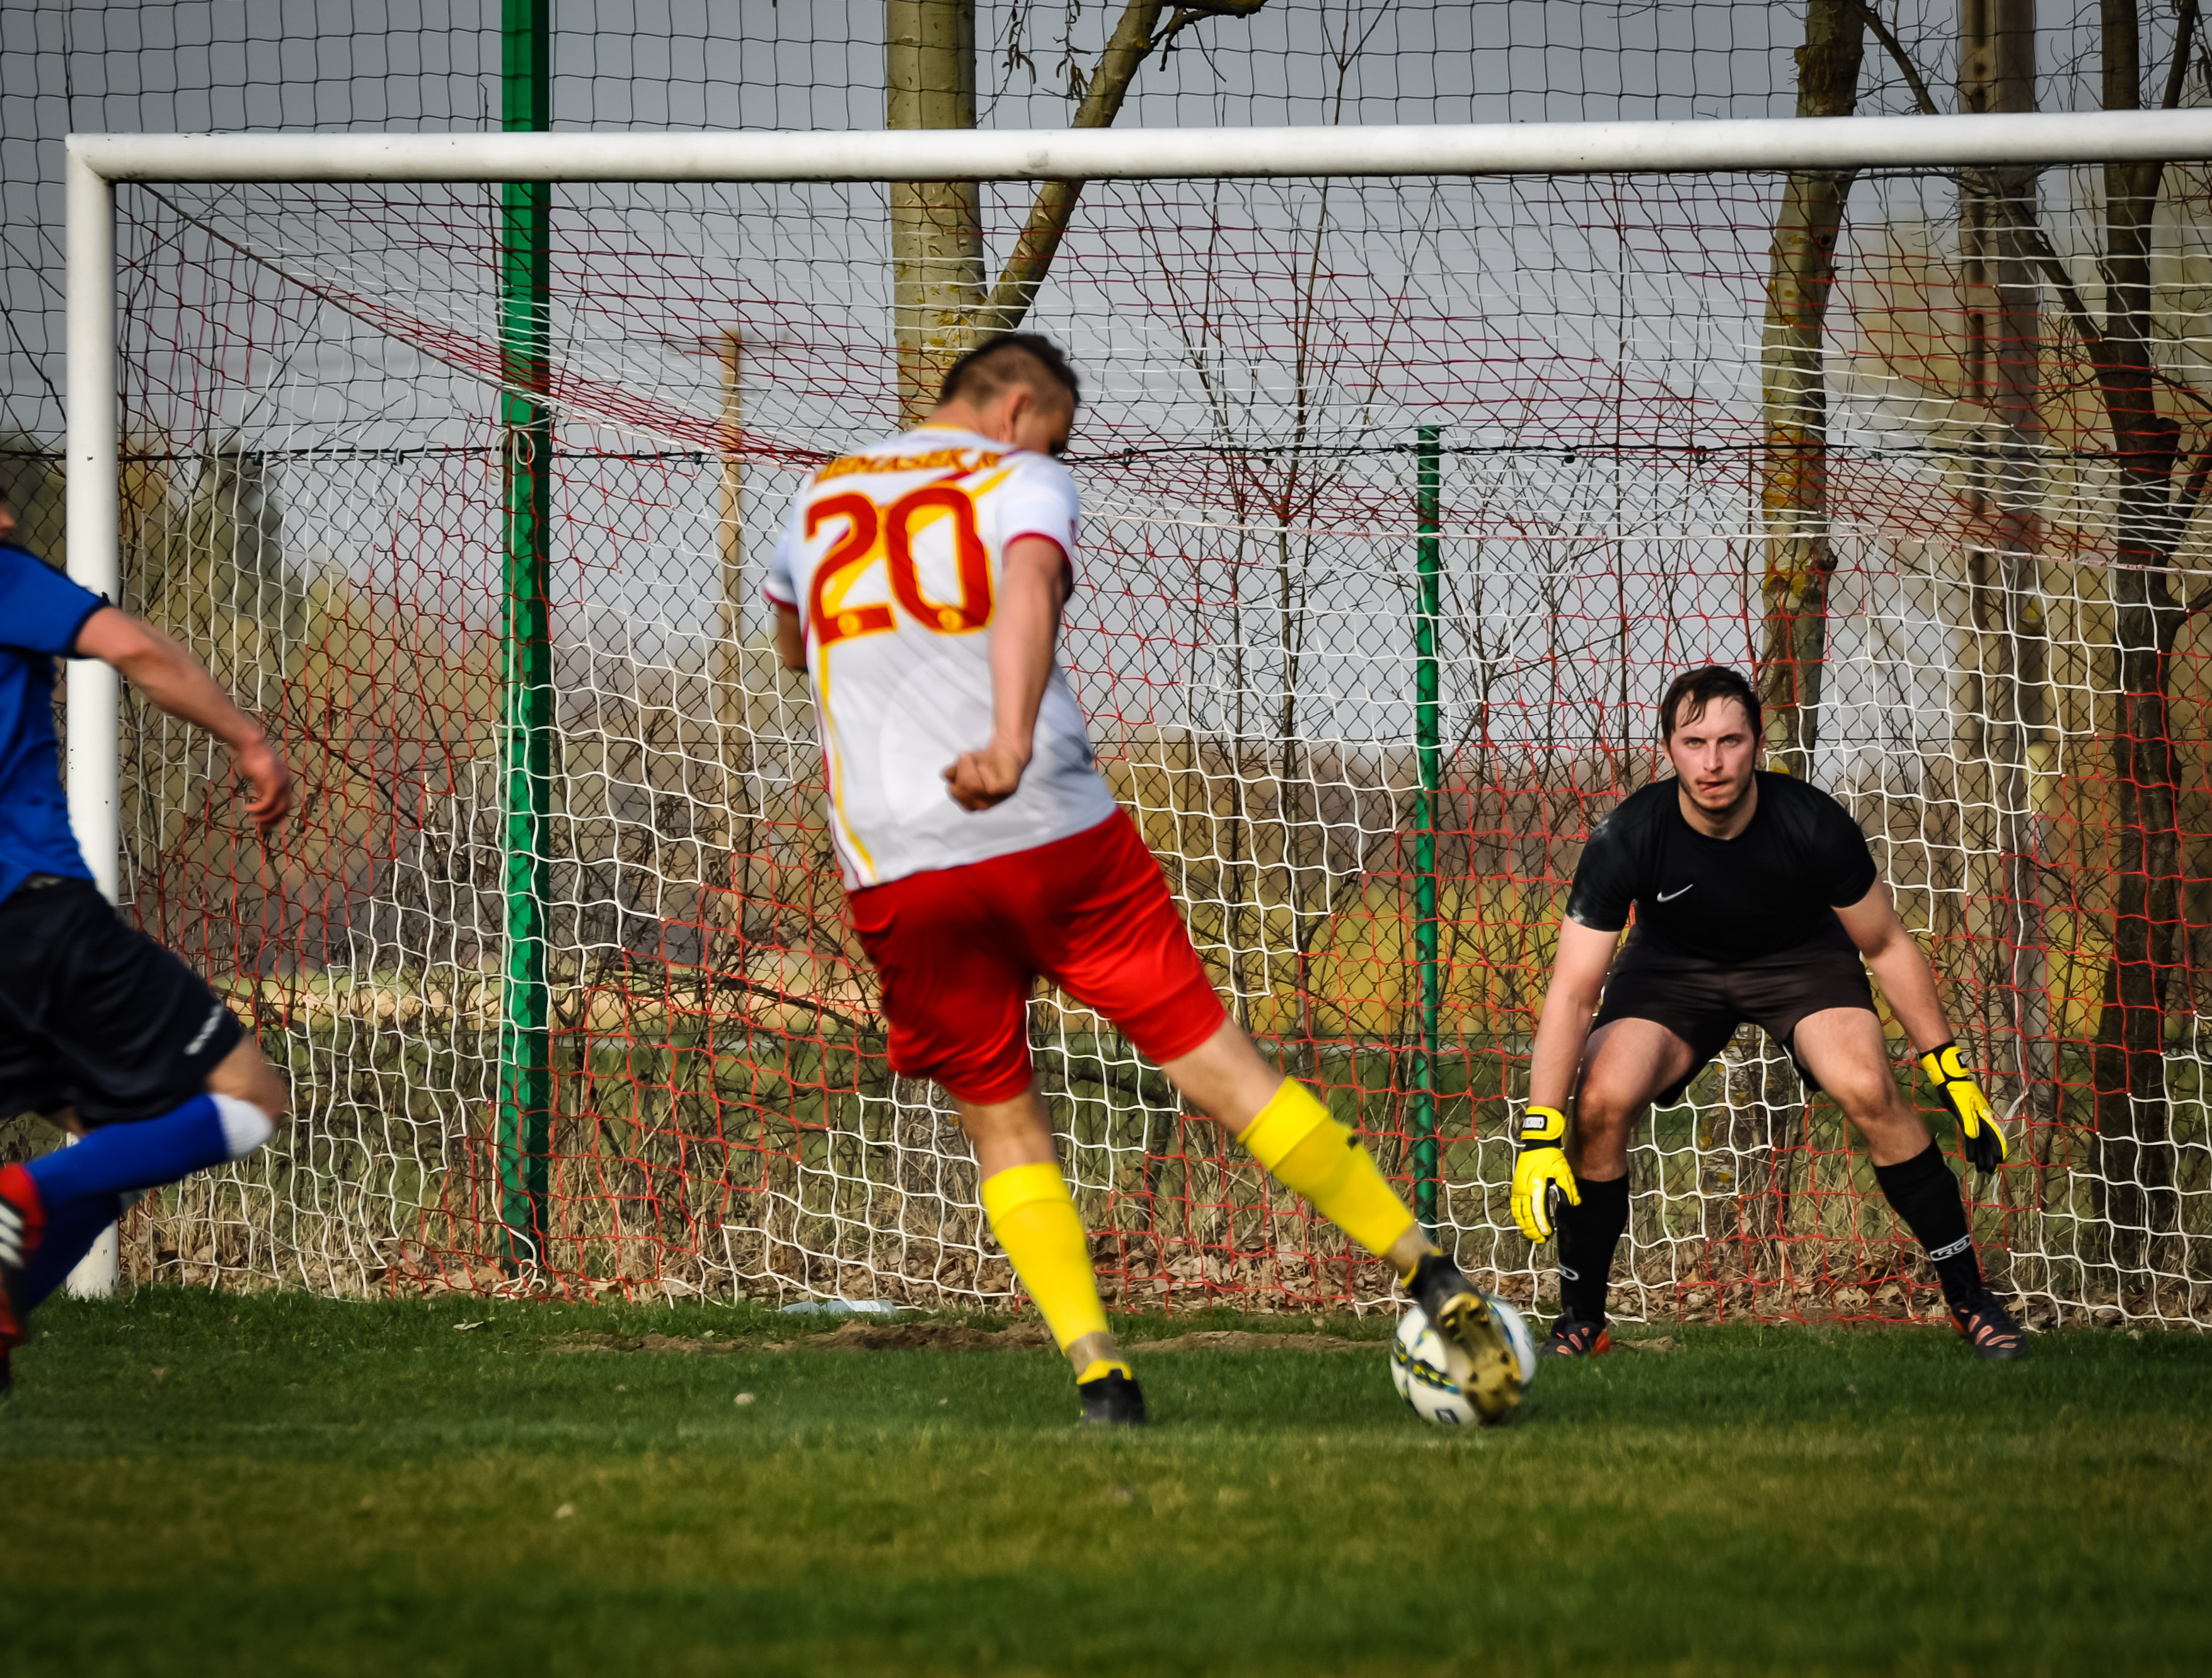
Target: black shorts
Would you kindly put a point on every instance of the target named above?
(1703, 1001)
(95, 1015)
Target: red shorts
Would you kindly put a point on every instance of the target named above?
(961, 950)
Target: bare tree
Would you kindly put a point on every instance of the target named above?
(2151, 606)
(1793, 482)
(939, 303)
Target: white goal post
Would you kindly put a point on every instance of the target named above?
(2101, 1229)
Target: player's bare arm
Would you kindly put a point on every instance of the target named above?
(1032, 590)
(177, 682)
(1899, 965)
(1541, 1172)
(158, 666)
(1908, 981)
(1564, 1026)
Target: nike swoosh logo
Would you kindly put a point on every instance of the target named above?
(1669, 897)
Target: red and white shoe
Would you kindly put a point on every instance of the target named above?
(22, 1226)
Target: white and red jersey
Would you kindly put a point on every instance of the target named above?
(892, 560)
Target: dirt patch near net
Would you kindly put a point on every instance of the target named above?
(1240, 1340)
(857, 1336)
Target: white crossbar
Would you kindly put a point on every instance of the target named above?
(1103, 154)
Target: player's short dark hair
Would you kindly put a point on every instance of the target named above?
(1698, 688)
(1011, 358)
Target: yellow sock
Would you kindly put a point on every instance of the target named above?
(1308, 1150)
(1098, 1367)
(1034, 1217)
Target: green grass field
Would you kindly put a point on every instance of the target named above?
(198, 1482)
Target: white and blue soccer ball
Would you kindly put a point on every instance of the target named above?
(1423, 1379)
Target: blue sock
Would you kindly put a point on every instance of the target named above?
(119, 1157)
(70, 1234)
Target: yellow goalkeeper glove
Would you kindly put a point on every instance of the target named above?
(1540, 1172)
(1977, 1125)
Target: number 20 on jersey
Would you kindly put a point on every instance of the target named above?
(873, 532)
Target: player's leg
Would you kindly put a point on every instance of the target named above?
(949, 945)
(249, 1097)
(1034, 1217)
(1628, 1062)
(158, 1071)
(1843, 1051)
(1120, 947)
(1123, 949)
(1662, 1017)
(1287, 1128)
(234, 1114)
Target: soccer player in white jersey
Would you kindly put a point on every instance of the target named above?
(920, 584)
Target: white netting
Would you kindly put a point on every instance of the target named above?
(314, 492)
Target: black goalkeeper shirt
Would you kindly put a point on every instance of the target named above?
(1776, 885)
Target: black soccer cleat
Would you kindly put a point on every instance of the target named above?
(22, 1222)
(1113, 1400)
(1571, 1337)
(6, 1377)
(1988, 1328)
(1477, 1354)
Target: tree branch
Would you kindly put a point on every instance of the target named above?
(2047, 258)
(1135, 36)
(2178, 72)
(1975, 181)
(1895, 48)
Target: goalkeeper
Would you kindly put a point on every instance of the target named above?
(1756, 899)
(102, 1030)
(920, 583)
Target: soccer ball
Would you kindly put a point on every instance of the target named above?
(1417, 1368)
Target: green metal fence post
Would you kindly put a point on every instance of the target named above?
(525, 1069)
(1427, 737)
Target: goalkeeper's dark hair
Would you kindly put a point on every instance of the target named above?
(1011, 358)
(1697, 689)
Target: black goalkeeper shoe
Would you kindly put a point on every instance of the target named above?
(1571, 1337)
(1988, 1328)
(1477, 1354)
(7, 1377)
(1113, 1399)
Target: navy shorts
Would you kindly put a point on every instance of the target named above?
(1703, 1001)
(96, 1016)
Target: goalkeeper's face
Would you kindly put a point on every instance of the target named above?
(1715, 754)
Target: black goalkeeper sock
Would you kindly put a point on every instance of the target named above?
(1588, 1235)
(1925, 1194)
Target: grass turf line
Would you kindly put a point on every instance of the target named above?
(284, 1484)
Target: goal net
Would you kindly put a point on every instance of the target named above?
(1620, 424)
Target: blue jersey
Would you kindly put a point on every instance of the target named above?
(40, 612)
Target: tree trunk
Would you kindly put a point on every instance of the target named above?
(2003, 683)
(1794, 462)
(2135, 1164)
(937, 225)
